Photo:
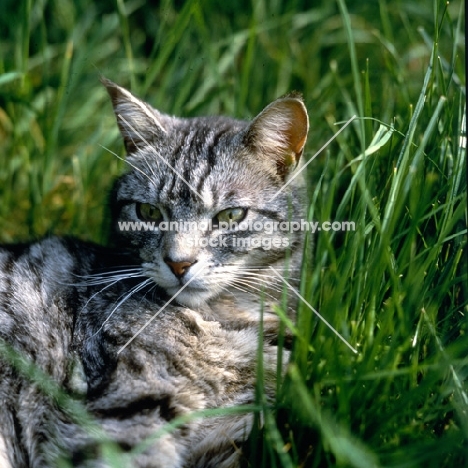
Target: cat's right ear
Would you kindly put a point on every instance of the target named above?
(279, 133)
(138, 122)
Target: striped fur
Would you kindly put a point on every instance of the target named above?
(68, 307)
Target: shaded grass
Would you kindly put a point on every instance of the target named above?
(396, 288)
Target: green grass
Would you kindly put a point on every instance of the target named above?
(396, 288)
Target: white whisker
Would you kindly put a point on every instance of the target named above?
(112, 276)
(251, 286)
(160, 310)
(117, 279)
(99, 292)
(97, 281)
(315, 312)
(132, 291)
(130, 164)
(226, 289)
(111, 279)
(161, 158)
(109, 273)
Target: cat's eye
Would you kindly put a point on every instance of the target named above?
(148, 212)
(231, 215)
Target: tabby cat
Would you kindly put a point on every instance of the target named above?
(96, 319)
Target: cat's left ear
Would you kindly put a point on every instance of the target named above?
(280, 132)
(138, 122)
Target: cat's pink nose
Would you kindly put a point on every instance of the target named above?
(179, 268)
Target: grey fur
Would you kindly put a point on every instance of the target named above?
(69, 307)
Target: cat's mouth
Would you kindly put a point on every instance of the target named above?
(190, 296)
(187, 288)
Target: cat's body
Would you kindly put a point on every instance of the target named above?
(37, 319)
(67, 305)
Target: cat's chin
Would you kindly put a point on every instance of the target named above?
(191, 297)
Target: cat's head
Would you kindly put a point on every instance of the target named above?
(200, 174)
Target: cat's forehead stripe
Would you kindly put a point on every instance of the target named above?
(195, 153)
(211, 153)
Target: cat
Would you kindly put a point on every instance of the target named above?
(164, 321)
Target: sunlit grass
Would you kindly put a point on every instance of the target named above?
(396, 288)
